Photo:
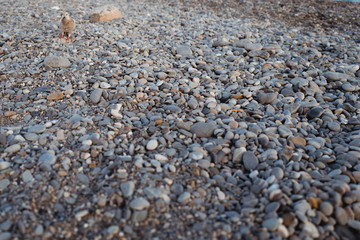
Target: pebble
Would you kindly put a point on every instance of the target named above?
(56, 62)
(202, 129)
(4, 183)
(127, 188)
(271, 224)
(5, 236)
(184, 51)
(250, 160)
(13, 148)
(95, 96)
(139, 204)
(47, 158)
(184, 197)
(152, 144)
(355, 224)
(336, 76)
(311, 230)
(4, 165)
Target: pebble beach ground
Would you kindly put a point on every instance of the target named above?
(176, 122)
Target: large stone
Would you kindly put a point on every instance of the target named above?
(105, 13)
(56, 62)
(203, 130)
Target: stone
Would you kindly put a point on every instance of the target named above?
(250, 160)
(5, 236)
(326, 208)
(266, 98)
(95, 96)
(13, 148)
(336, 76)
(341, 216)
(82, 178)
(203, 129)
(311, 229)
(298, 141)
(139, 216)
(184, 197)
(55, 96)
(47, 158)
(4, 183)
(139, 204)
(37, 129)
(315, 112)
(127, 188)
(4, 165)
(27, 176)
(355, 224)
(56, 62)
(152, 144)
(105, 13)
(184, 51)
(271, 224)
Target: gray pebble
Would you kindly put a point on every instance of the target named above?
(139, 204)
(203, 130)
(56, 62)
(47, 158)
(250, 160)
(127, 188)
(37, 129)
(95, 96)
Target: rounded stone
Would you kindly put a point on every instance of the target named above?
(95, 96)
(47, 158)
(250, 160)
(203, 129)
(13, 148)
(152, 144)
(139, 204)
(326, 208)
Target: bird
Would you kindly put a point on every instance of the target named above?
(67, 25)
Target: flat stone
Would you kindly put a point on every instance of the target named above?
(127, 188)
(152, 144)
(271, 224)
(82, 178)
(47, 158)
(5, 236)
(204, 163)
(4, 165)
(298, 141)
(56, 62)
(4, 183)
(311, 229)
(355, 224)
(55, 96)
(2, 139)
(13, 148)
(27, 176)
(37, 129)
(105, 13)
(184, 197)
(315, 112)
(250, 160)
(139, 204)
(203, 129)
(266, 98)
(139, 216)
(184, 51)
(95, 96)
(336, 76)
(326, 208)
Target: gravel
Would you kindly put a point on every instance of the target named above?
(179, 120)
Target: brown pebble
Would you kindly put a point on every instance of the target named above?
(55, 96)
(298, 141)
(9, 113)
(288, 219)
(314, 202)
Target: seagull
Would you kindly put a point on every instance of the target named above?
(67, 25)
